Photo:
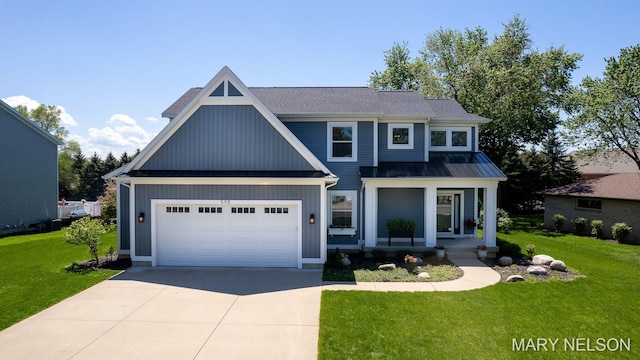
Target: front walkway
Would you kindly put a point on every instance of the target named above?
(476, 275)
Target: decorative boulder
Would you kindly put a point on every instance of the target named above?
(542, 260)
(424, 275)
(346, 261)
(558, 265)
(537, 270)
(515, 278)
(505, 261)
(387, 267)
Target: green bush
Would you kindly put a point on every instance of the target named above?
(558, 221)
(508, 249)
(579, 225)
(531, 249)
(401, 225)
(597, 228)
(86, 232)
(620, 231)
(379, 254)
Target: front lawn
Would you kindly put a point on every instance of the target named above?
(492, 322)
(33, 277)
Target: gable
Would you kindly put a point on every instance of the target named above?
(227, 137)
(225, 127)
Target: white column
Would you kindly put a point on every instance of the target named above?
(370, 215)
(490, 208)
(430, 215)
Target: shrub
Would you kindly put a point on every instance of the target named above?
(597, 228)
(580, 224)
(86, 232)
(401, 226)
(337, 260)
(508, 249)
(558, 221)
(504, 222)
(378, 254)
(620, 231)
(531, 249)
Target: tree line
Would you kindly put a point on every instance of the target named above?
(529, 96)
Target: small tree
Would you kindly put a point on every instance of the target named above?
(558, 221)
(620, 231)
(86, 232)
(597, 228)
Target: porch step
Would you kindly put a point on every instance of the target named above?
(462, 253)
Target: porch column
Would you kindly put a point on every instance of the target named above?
(370, 215)
(430, 215)
(490, 208)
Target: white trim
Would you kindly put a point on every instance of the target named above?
(354, 141)
(156, 202)
(449, 183)
(391, 126)
(229, 180)
(448, 138)
(203, 98)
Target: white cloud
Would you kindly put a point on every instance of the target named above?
(152, 119)
(122, 134)
(65, 118)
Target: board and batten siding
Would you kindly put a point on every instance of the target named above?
(124, 218)
(309, 194)
(404, 203)
(401, 155)
(227, 137)
(28, 173)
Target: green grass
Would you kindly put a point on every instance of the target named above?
(33, 277)
(482, 323)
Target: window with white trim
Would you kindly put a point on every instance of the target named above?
(450, 139)
(342, 144)
(399, 136)
(342, 209)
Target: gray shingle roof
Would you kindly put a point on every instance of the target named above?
(365, 101)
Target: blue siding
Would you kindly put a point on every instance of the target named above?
(469, 202)
(397, 155)
(314, 136)
(400, 204)
(124, 218)
(310, 196)
(28, 173)
(229, 137)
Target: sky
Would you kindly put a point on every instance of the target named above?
(114, 66)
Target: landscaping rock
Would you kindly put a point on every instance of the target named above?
(387, 267)
(424, 275)
(537, 270)
(346, 261)
(515, 278)
(542, 260)
(505, 261)
(558, 265)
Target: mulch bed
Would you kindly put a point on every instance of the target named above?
(520, 266)
(108, 262)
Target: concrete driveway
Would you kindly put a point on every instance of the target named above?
(179, 313)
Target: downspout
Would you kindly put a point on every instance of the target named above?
(361, 217)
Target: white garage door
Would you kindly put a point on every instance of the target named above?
(255, 235)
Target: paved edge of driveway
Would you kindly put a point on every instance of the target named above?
(476, 275)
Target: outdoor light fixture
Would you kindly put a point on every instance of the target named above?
(141, 217)
(312, 219)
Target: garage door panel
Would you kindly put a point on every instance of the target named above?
(227, 235)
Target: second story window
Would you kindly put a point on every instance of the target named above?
(400, 136)
(342, 144)
(450, 139)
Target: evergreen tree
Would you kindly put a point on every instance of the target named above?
(558, 169)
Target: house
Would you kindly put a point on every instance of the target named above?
(28, 172)
(604, 163)
(275, 177)
(613, 198)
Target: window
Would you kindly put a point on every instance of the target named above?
(343, 209)
(450, 139)
(589, 204)
(342, 144)
(400, 136)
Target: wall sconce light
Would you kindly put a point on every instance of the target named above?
(312, 219)
(141, 217)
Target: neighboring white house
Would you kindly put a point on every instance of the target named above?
(274, 177)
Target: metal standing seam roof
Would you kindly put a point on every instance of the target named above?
(284, 101)
(440, 165)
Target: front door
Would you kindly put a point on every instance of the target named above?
(448, 213)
